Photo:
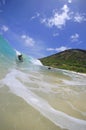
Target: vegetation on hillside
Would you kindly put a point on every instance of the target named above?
(72, 59)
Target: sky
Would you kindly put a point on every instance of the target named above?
(40, 28)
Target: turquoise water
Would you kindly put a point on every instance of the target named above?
(35, 98)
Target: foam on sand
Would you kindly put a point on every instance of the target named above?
(59, 118)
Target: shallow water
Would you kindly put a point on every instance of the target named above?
(35, 98)
(42, 99)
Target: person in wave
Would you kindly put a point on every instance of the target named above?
(49, 68)
(20, 58)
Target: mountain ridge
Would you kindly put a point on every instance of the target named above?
(71, 59)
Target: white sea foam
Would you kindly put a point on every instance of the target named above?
(73, 73)
(73, 107)
(77, 82)
(33, 60)
(36, 62)
(17, 52)
(59, 118)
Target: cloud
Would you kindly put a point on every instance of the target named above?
(79, 18)
(50, 49)
(69, 1)
(35, 16)
(33, 47)
(58, 19)
(28, 41)
(62, 48)
(75, 37)
(55, 34)
(4, 28)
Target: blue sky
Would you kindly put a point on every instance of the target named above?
(43, 27)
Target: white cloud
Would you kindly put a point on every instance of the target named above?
(33, 47)
(50, 49)
(75, 37)
(4, 28)
(62, 48)
(28, 41)
(35, 16)
(58, 19)
(55, 34)
(79, 18)
(69, 1)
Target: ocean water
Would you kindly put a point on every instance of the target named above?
(32, 97)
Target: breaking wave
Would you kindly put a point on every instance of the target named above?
(56, 96)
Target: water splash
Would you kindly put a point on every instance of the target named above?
(59, 118)
(58, 95)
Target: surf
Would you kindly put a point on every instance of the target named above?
(56, 97)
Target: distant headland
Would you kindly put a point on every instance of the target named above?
(72, 59)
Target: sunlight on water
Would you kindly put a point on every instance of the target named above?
(35, 98)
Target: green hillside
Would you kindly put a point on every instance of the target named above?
(72, 59)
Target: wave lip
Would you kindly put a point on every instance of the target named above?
(9, 55)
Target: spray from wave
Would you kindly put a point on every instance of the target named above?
(49, 99)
